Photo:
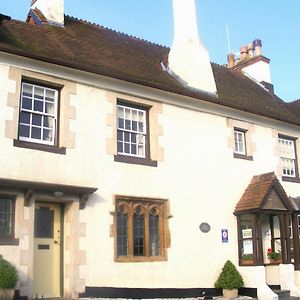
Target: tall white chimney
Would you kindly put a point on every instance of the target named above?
(188, 58)
(53, 10)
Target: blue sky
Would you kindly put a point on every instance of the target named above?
(275, 22)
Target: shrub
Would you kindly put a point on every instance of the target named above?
(8, 274)
(230, 278)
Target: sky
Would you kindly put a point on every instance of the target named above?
(275, 22)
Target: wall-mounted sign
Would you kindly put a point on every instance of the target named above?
(224, 233)
(204, 227)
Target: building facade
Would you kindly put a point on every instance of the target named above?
(118, 177)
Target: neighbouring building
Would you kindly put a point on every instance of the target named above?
(133, 170)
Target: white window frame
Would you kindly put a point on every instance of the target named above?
(133, 129)
(288, 157)
(239, 142)
(43, 114)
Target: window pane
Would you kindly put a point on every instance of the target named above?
(154, 233)
(25, 117)
(39, 93)
(27, 89)
(37, 120)
(50, 95)
(38, 106)
(24, 131)
(26, 103)
(138, 233)
(122, 238)
(47, 135)
(43, 223)
(6, 212)
(36, 133)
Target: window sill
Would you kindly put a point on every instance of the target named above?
(135, 160)
(40, 147)
(129, 259)
(291, 179)
(8, 241)
(242, 156)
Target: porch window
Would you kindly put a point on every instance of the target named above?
(141, 229)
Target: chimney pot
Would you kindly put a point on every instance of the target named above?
(230, 59)
(243, 52)
(250, 50)
(257, 46)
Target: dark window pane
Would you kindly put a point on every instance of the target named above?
(43, 223)
(6, 212)
(122, 234)
(126, 136)
(120, 135)
(24, 131)
(25, 117)
(127, 148)
(127, 124)
(134, 125)
(36, 133)
(138, 233)
(38, 106)
(120, 147)
(37, 120)
(121, 123)
(133, 148)
(26, 103)
(154, 233)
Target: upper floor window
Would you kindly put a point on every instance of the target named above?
(132, 131)
(239, 142)
(288, 156)
(140, 229)
(38, 114)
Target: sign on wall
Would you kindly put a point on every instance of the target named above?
(224, 235)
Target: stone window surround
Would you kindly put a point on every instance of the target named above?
(248, 129)
(155, 129)
(164, 230)
(67, 111)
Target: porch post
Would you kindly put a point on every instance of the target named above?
(296, 248)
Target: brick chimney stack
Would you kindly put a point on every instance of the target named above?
(188, 58)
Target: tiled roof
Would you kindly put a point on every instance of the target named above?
(257, 192)
(89, 47)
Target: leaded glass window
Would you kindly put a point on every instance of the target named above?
(122, 237)
(140, 229)
(6, 217)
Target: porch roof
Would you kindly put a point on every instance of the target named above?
(258, 193)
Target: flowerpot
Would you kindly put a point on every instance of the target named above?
(7, 294)
(276, 261)
(230, 294)
(247, 262)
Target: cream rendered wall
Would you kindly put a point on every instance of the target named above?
(198, 175)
